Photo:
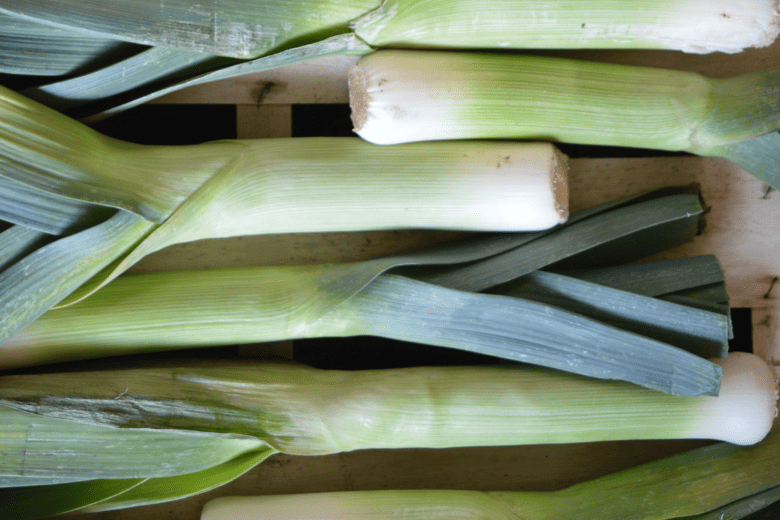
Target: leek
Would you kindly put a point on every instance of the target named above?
(250, 29)
(401, 96)
(188, 39)
(199, 308)
(343, 299)
(298, 410)
(712, 479)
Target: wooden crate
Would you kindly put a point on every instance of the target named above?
(740, 232)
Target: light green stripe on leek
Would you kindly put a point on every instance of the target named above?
(713, 483)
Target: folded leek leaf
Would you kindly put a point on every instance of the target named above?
(303, 411)
(712, 483)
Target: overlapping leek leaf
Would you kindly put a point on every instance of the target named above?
(711, 483)
(457, 95)
(298, 410)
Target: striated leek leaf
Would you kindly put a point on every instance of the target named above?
(166, 489)
(16, 242)
(250, 29)
(711, 483)
(657, 278)
(703, 333)
(40, 280)
(32, 48)
(229, 27)
(157, 64)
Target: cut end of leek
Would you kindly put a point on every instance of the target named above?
(746, 406)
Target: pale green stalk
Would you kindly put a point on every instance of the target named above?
(402, 96)
(250, 29)
(679, 486)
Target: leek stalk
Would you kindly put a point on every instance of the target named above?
(342, 299)
(713, 479)
(402, 96)
(199, 308)
(67, 420)
(250, 29)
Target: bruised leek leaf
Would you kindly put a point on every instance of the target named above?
(710, 483)
(402, 96)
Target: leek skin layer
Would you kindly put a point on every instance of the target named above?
(401, 96)
(686, 486)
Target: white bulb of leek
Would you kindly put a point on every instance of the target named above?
(746, 406)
